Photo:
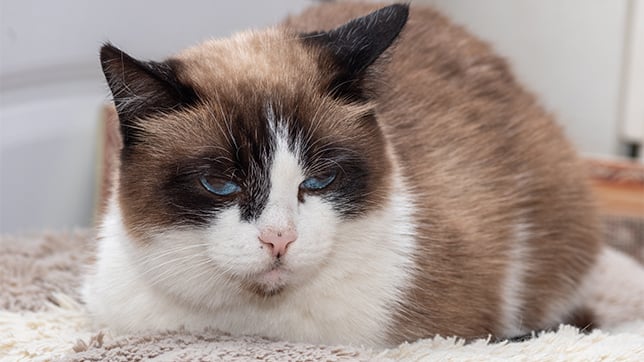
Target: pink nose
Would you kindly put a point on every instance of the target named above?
(277, 240)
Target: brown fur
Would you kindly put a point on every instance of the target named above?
(481, 155)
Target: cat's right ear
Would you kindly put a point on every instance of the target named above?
(140, 89)
(355, 46)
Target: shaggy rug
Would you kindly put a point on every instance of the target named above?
(42, 319)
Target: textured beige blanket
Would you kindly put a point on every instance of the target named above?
(41, 318)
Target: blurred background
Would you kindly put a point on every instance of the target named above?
(583, 58)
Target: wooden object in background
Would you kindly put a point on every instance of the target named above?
(619, 187)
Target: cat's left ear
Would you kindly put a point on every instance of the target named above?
(140, 89)
(356, 45)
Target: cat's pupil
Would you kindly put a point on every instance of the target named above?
(218, 186)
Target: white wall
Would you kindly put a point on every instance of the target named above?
(569, 52)
(47, 156)
(633, 89)
(51, 89)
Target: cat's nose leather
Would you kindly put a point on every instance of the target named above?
(277, 240)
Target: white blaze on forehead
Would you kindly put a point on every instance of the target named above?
(286, 174)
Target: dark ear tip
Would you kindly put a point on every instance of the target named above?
(109, 52)
(108, 49)
(398, 10)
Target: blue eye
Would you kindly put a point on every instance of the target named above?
(218, 186)
(317, 183)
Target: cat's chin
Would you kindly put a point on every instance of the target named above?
(269, 283)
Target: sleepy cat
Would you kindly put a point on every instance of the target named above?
(382, 181)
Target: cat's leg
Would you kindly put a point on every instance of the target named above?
(613, 291)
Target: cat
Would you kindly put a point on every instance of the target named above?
(360, 174)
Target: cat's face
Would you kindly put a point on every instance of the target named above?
(244, 160)
(227, 177)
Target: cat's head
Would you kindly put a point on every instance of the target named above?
(244, 158)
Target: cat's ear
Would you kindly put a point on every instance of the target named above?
(357, 44)
(141, 88)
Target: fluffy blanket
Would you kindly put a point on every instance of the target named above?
(41, 318)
